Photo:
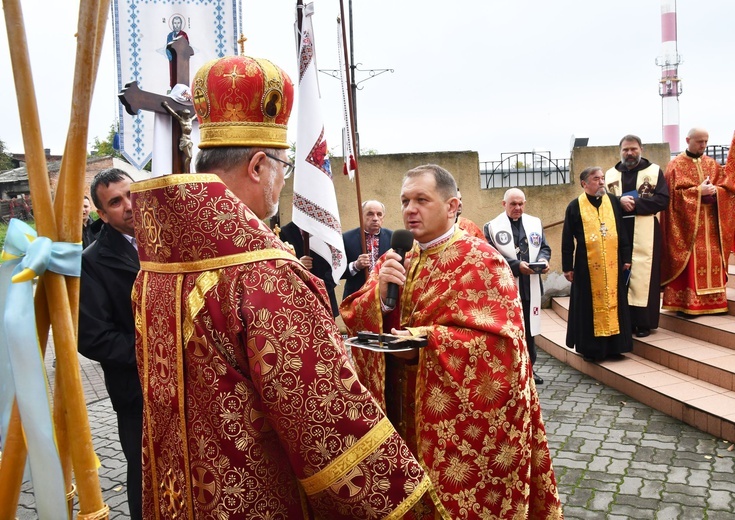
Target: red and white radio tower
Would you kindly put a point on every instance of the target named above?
(669, 86)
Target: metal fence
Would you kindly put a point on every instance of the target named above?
(518, 169)
(717, 152)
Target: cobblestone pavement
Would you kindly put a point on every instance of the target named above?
(614, 457)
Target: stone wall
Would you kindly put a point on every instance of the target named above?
(381, 177)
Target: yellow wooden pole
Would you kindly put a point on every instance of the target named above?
(69, 196)
(60, 312)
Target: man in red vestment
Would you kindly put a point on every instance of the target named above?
(466, 402)
(466, 224)
(251, 406)
(698, 230)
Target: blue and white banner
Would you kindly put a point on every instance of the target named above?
(142, 29)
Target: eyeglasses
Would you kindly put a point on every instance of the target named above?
(289, 166)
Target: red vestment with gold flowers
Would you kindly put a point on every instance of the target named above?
(698, 234)
(469, 408)
(470, 227)
(251, 407)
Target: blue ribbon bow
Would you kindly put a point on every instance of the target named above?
(22, 372)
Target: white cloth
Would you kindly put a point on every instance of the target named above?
(315, 207)
(502, 234)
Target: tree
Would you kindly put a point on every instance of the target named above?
(6, 161)
(106, 147)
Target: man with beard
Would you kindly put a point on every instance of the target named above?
(641, 187)
(251, 405)
(599, 320)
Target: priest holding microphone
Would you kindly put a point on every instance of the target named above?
(464, 403)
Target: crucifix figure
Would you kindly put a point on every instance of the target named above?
(184, 118)
(135, 99)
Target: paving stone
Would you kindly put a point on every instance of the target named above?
(630, 486)
(720, 500)
(691, 513)
(601, 501)
(691, 497)
(614, 458)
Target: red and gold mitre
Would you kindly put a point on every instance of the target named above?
(242, 101)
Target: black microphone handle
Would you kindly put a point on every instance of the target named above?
(391, 298)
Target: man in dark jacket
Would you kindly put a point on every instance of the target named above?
(313, 262)
(89, 234)
(377, 240)
(106, 325)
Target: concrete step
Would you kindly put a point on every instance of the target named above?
(719, 330)
(687, 378)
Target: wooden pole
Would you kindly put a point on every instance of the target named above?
(64, 328)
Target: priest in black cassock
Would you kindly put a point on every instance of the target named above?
(599, 321)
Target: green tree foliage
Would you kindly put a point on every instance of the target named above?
(6, 162)
(104, 148)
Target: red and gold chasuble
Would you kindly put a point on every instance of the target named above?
(476, 426)
(251, 407)
(697, 235)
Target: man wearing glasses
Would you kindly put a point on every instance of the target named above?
(251, 405)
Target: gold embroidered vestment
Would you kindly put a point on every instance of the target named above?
(251, 407)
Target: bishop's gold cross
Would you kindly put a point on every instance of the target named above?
(234, 75)
(241, 41)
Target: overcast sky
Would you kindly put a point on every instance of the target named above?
(477, 75)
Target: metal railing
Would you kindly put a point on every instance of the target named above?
(524, 169)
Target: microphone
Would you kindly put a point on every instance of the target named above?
(401, 242)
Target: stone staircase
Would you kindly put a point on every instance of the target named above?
(685, 368)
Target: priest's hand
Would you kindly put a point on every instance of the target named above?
(546, 269)
(392, 271)
(569, 275)
(628, 203)
(707, 188)
(408, 355)
(307, 261)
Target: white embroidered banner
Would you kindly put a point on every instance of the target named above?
(142, 29)
(315, 207)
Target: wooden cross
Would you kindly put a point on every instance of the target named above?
(135, 99)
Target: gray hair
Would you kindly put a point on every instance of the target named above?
(225, 157)
(587, 172)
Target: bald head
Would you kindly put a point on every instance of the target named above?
(514, 202)
(373, 212)
(697, 139)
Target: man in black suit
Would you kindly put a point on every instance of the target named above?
(106, 325)
(377, 240)
(313, 262)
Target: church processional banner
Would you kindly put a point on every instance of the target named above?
(142, 29)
